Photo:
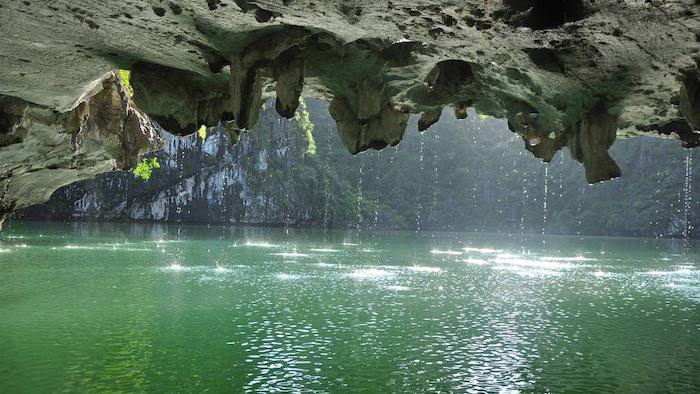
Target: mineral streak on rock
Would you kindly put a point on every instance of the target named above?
(545, 66)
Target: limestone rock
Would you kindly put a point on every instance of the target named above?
(589, 142)
(541, 65)
(690, 97)
(43, 149)
(428, 119)
(178, 100)
(289, 76)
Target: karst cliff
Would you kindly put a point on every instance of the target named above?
(573, 74)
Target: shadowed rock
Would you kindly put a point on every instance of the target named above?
(246, 93)
(375, 132)
(428, 119)
(289, 75)
(13, 122)
(180, 101)
(690, 97)
(589, 142)
(104, 132)
(540, 64)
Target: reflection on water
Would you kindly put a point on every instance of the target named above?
(475, 261)
(370, 273)
(482, 250)
(123, 308)
(260, 244)
(448, 252)
(290, 254)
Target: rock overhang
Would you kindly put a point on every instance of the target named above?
(575, 73)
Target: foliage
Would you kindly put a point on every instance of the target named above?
(302, 118)
(125, 79)
(202, 132)
(144, 169)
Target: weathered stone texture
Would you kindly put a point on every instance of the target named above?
(545, 66)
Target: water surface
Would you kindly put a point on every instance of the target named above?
(136, 308)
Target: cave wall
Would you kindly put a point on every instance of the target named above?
(571, 73)
(42, 149)
(474, 176)
(211, 180)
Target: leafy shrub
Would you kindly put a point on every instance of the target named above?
(202, 132)
(144, 169)
(125, 79)
(302, 118)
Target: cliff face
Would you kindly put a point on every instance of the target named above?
(42, 150)
(268, 177)
(462, 175)
(570, 73)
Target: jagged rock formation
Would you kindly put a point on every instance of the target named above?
(548, 67)
(42, 150)
(211, 180)
(473, 177)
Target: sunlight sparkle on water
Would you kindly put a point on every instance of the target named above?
(175, 266)
(475, 261)
(576, 258)
(283, 276)
(398, 288)
(468, 321)
(527, 272)
(290, 254)
(482, 250)
(158, 242)
(523, 262)
(260, 244)
(370, 273)
(112, 247)
(419, 268)
(449, 252)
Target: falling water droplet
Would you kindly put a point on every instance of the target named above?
(419, 208)
(544, 202)
(436, 180)
(358, 227)
(687, 191)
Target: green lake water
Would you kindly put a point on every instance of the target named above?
(150, 308)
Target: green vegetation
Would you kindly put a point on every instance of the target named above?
(144, 169)
(202, 132)
(125, 79)
(302, 118)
